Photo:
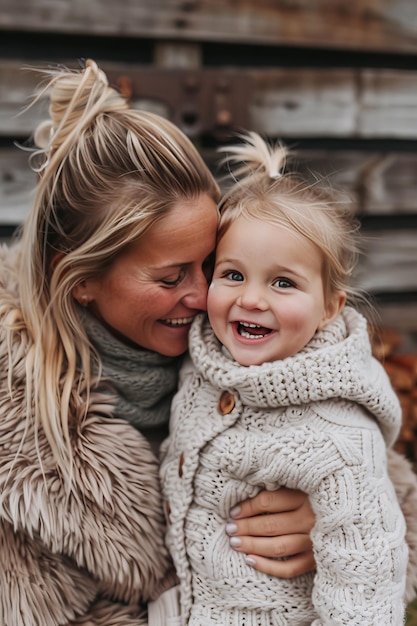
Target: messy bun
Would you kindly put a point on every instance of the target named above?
(76, 99)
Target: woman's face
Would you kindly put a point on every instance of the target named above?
(152, 292)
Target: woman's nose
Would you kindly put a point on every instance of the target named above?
(196, 295)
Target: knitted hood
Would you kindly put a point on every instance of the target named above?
(337, 363)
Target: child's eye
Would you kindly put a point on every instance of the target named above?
(174, 281)
(234, 275)
(283, 283)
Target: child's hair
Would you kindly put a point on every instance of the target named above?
(262, 190)
(108, 174)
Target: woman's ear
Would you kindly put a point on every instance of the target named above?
(334, 306)
(81, 293)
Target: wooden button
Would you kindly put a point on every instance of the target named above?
(226, 403)
(180, 464)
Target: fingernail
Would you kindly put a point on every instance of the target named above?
(235, 542)
(235, 511)
(250, 560)
(231, 529)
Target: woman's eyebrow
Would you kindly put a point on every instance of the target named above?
(171, 265)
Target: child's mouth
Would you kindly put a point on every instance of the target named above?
(249, 330)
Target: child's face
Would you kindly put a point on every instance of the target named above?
(266, 300)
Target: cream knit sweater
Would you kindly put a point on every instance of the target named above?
(320, 422)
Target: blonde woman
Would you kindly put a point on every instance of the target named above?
(97, 295)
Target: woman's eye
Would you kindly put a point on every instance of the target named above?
(283, 283)
(172, 282)
(234, 275)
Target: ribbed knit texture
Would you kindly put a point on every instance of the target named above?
(320, 422)
(143, 381)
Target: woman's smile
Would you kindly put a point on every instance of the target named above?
(178, 322)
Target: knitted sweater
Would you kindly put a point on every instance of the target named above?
(320, 422)
(92, 556)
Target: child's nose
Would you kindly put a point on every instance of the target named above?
(252, 297)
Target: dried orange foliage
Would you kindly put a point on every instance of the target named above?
(401, 367)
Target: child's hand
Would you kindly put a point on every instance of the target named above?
(273, 525)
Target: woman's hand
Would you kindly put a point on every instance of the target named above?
(273, 530)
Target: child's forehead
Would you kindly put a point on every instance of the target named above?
(260, 224)
(273, 242)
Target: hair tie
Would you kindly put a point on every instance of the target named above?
(275, 176)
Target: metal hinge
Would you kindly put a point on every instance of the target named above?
(206, 102)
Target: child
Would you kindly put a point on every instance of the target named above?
(283, 391)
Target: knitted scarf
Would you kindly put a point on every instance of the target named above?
(143, 381)
(336, 363)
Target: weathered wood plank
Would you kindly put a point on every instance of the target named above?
(17, 86)
(374, 183)
(298, 102)
(289, 102)
(198, 101)
(17, 182)
(358, 24)
(388, 103)
(335, 103)
(388, 263)
(371, 183)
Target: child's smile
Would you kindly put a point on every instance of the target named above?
(267, 299)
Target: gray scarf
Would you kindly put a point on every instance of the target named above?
(144, 381)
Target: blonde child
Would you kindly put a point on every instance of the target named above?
(282, 391)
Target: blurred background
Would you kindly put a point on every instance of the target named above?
(335, 80)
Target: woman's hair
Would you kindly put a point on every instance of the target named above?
(108, 174)
(263, 190)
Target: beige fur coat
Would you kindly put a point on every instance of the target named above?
(96, 557)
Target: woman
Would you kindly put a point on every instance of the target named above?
(96, 300)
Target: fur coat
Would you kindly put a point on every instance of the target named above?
(316, 422)
(92, 557)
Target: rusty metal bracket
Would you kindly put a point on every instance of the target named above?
(205, 102)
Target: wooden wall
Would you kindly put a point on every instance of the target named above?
(336, 80)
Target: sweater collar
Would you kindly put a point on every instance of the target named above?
(144, 381)
(337, 363)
